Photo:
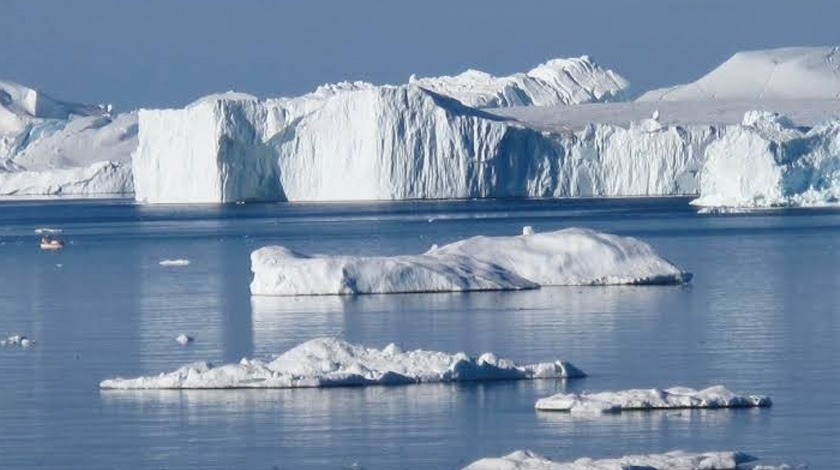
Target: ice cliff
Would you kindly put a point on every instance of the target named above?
(331, 362)
(52, 147)
(677, 460)
(767, 161)
(566, 257)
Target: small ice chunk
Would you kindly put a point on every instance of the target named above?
(527, 230)
(184, 340)
(175, 262)
(17, 340)
(47, 231)
(650, 399)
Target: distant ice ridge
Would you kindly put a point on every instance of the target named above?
(558, 81)
(51, 147)
(677, 460)
(650, 399)
(767, 161)
(567, 257)
(799, 73)
(330, 362)
(356, 141)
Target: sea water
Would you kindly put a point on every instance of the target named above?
(762, 315)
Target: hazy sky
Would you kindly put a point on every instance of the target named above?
(167, 52)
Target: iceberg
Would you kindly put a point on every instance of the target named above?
(650, 399)
(357, 141)
(175, 262)
(798, 73)
(768, 161)
(331, 362)
(676, 460)
(572, 256)
(52, 147)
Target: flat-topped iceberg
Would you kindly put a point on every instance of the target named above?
(330, 362)
(677, 460)
(650, 399)
(572, 256)
(767, 161)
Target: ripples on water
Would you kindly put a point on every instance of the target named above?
(760, 316)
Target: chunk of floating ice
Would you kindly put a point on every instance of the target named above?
(48, 231)
(567, 257)
(650, 399)
(175, 262)
(677, 460)
(184, 340)
(330, 362)
(17, 340)
(527, 230)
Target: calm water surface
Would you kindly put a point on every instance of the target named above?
(762, 315)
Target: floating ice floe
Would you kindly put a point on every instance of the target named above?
(330, 362)
(48, 231)
(17, 340)
(567, 257)
(183, 339)
(650, 399)
(677, 460)
(175, 262)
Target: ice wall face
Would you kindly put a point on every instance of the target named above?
(51, 147)
(558, 81)
(768, 162)
(214, 150)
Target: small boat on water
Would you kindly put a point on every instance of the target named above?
(49, 243)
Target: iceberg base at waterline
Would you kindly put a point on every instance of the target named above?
(567, 257)
(330, 362)
(651, 399)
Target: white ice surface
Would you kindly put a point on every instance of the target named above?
(567, 257)
(677, 460)
(175, 262)
(51, 147)
(768, 161)
(330, 362)
(558, 81)
(787, 73)
(650, 399)
(183, 339)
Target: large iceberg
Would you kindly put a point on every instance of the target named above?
(677, 460)
(567, 257)
(650, 399)
(792, 73)
(768, 161)
(330, 362)
(52, 147)
(356, 141)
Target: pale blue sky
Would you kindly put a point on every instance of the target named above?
(167, 52)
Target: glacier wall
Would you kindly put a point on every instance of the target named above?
(767, 161)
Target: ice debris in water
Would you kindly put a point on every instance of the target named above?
(567, 257)
(330, 362)
(184, 340)
(676, 460)
(175, 262)
(17, 340)
(651, 399)
(527, 230)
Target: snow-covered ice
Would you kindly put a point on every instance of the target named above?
(772, 74)
(331, 362)
(567, 257)
(52, 147)
(677, 460)
(17, 340)
(558, 81)
(768, 161)
(650, 399)
(175, 262)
